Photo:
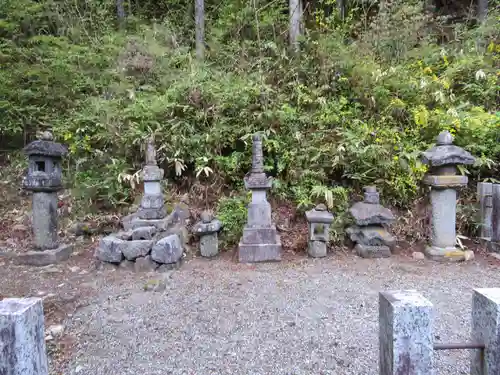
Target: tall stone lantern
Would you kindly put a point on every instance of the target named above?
(44, 179)
(444, 180)
(319, 221)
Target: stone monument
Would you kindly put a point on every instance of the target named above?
(260, 241)
(319, 220)
(370, 234)
(485, 199)
(207, 229)
(44, 179)
(444, 182)
(151, 239)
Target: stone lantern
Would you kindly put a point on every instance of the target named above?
(44, 179)
(319, 221)
(444, 181)
(207, 230)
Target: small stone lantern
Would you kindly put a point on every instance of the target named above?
(44, 179)
(444, 182)
(207, 230)
(319, 220)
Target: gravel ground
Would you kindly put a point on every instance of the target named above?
(296, 317)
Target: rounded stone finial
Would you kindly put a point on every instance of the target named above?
(206, 216)
(321, 207)
(444, 138)
(46, 136)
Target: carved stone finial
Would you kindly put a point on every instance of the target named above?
(444, 138)
(151, 151)
(46, 136)
(321, 207)
(257, 156)
(371, 195)
(206, 217)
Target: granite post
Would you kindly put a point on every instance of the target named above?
(486, 330)
(44, 179)
(207, 230)
(319, 220)
(444, 182)
(369, 232)
(22, 339)
(484, 197)
(405, 333)
(260, 241)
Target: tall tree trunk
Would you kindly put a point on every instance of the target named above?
(295, 9)
(200, 28)
(120, 12)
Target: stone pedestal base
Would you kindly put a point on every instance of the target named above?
(45, 257)
(317, 249)
(209, 245)
(260, 244)
(366, 251)
(444, 254)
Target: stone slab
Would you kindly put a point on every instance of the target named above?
(45, 257)
(365, 251)
(159, 224)
(486, 330)
(372, 235)
(445, 182)
(495, 213)
(253, 253)
(134, 249)
(22, 338)
(45, 220)
(209, 245)
(108, 249)
(167, 250)
(317, 249)
(152, 201)
(405, 334)
(259, 235)
(370, 214)
(143, 233)
(449, 254)
(485, 199)
(443, 218)
(259, 215)
(151, 213)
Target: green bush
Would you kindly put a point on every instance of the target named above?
(232, 212)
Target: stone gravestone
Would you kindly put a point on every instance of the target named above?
(319, 220)
(44, 180)
(485, 199)
(260, 241)
(444, 182)
(22, 339)
(151, 237)
(207, 229)
(370, 235)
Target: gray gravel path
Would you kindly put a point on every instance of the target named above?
(303, 317)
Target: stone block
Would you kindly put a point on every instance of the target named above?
(445, 182)
(22, 338)
(151, 213)
(180, 230)
(128, 220)
(109, 250)
(366, 251)
(134, 249)
(167, 250)
(485, 199)
(259, 215)
(252, 253)
(486, 330)
(152, 173)
(370, 214)
(127, 265)
(124, 235)
(495, 213)
(143, 233)
(443, 220)
(372, 235)
(159, 224)
(449, 254)
(317, 249)
(152, 201)
(145, 264)
(45, 257)
(209, 245)
(45, 220)
(259, 235)
(405, 333)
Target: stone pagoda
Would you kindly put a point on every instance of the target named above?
(370, 234)
(44, 179)
(444, 181)
(260, 241)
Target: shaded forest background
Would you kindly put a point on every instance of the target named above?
(370, 86)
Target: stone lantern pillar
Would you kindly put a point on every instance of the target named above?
(44, 179)
(319, 220)
(260, 241)
(207, 230)
(444, 182)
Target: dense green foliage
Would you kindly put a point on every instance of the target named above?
(356, 106)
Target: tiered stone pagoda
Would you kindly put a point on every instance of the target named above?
(260, 241)
(370, 234)
(444, 181)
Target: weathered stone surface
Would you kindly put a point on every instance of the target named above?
(143, 233)
(440, 254)
(151, 213)
(45, 148)
(152, 201)
(367, 251)
(319, 215)
(124, 235)
(145, 264)
(317, 249)
(180, 230)
(45, 257)
(444, 182)
(159, 224)
(22, 343)
(109, 250)
(169, 267)
(127, 265)
(369, 214)
(202, 228)
(127, 221)
(372, 235)
(445, 152)
(152, 173)
(209, 245)
(134, 249)
(405, 333)
(417, 255)
(486, 329)
(495, 214)
(167, 250)
(485, 199)
(443, 233)
(371, 195)
(251, 253)
(260, 235)
(180, 214)
(45, 220)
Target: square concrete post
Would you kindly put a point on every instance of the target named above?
(22, 339)
(486, 330)
(405, 333)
